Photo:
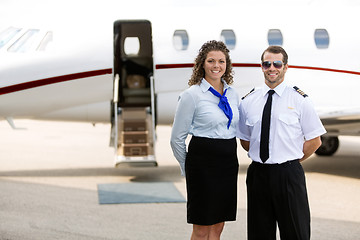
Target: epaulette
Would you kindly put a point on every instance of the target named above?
(300, 92)
(252, 90)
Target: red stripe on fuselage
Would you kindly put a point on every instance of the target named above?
(177, 65)
(188, 65)
(325, 69)
(52, 80)
(69, 77)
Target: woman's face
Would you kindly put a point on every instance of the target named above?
(214, 65)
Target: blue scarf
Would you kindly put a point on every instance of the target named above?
(223, 104)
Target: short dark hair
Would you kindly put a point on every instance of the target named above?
(276, 50)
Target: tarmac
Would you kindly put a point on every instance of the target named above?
(49, 175)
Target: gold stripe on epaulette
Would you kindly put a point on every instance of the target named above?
(300, 92)
(252, 90)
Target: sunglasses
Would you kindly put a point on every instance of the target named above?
(267, 64)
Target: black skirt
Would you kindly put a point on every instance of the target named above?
(211, 169)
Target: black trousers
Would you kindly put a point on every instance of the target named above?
(277, 194)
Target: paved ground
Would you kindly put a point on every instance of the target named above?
(49, 175)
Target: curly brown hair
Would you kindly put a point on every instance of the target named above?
(198, 70)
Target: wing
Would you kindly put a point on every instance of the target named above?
(344, 121)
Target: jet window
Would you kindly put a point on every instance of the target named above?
(7, 35)
(321, 38)
(26, 41)
(132, 46)
(275, 37)
(181, 40)
(229, 38)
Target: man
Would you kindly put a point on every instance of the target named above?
(279, 128)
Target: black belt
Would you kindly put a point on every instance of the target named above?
(275, 164)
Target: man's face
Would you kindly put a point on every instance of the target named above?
(274, 75)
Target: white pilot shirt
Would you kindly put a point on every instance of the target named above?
(293, 120)
(198, 114)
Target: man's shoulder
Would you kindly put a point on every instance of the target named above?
(298, 91)
(250, 94)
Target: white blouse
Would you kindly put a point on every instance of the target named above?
(198, 114)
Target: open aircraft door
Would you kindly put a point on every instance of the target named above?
(133, 120)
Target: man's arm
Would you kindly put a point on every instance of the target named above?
(310, 147)
(245, 144)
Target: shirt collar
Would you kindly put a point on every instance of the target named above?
(205, 85)
(279, 90)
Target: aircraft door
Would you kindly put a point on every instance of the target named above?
(134, 109)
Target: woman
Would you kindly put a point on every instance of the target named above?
(207, 110)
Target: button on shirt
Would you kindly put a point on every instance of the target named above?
(198, 114)
(293, 120)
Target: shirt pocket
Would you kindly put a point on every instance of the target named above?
(290, 126)
(288, 119)
(253, 124)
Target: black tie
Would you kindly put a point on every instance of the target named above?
(265, 128)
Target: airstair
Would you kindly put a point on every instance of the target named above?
(135, 138)
(133, 118)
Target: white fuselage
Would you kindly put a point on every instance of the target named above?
(73, 80)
